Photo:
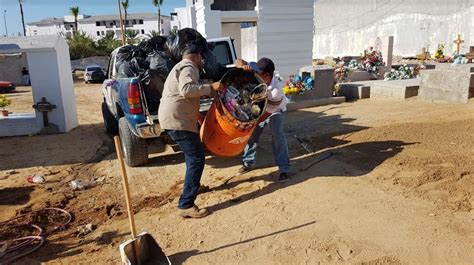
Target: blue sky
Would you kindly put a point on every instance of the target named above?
(38, 9)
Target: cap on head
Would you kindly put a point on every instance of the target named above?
(264, 65)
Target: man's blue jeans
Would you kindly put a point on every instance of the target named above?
(279, 143)
(190, 144)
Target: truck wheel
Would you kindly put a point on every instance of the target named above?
(135, 149)
(110, 123)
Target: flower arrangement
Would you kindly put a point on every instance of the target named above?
(439, 54)
(371, 62)
(341, 72)
(404, 72)
(297, 85)
(353, 64)
(4, 102)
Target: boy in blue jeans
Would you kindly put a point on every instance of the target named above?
(276, 107)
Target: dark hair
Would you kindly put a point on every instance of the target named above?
(266, 65)
(191, 48)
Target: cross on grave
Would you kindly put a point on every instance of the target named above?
(423, 56)
(45, 107)
(458, 43)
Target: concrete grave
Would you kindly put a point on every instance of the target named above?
(395, 89)
(49, 66)
(454, 84)
(385, 46)
(323, 77)
(356, 90)
(470, 54)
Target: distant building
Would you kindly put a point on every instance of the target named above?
(97, 26)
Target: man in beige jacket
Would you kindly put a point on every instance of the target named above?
(178, 115)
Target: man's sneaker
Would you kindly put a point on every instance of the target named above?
(283, 177)
(193, 212)
(244, 169)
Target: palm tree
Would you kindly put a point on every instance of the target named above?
(174, 32)
(107, 44)
(153, 33)
(75, 12)
(22, 16)
(81, 46)
(131, 36)
(122, 31)
(158, 4)
(125, 7)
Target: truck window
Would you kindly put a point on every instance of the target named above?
(223, 53)
(110, 66)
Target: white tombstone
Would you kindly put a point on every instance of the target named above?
(49, 66)
(385, 46)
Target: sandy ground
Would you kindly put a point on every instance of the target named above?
(387, 182)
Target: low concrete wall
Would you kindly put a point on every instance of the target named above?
(11, 66)
(311, 103)
(81, 64)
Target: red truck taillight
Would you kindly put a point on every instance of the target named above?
(134, 99)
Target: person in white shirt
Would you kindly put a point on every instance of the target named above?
(276, 107)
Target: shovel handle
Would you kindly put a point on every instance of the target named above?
(118, 148)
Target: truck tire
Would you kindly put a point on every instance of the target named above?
(135, 149)
(110, 123)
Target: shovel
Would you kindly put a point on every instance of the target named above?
(142, 248)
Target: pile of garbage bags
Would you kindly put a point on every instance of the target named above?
(161, 53)
(244, 96)
(152, 60)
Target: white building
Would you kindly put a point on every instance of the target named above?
(277, 29)
(97, 26)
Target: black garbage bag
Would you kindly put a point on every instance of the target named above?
(124, 54)
(153, 82)
(212, 69)
(161, 61)
(157, 43)
(134, 68)
(176, 44)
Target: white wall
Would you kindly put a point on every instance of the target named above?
(344, 27)
(186, 17)
(233, 30)
(285, 33)
(249, 44)
(45, 30)
(208, 22)
(66, 86)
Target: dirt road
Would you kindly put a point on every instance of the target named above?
(388, 182)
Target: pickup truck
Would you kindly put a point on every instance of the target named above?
(125, 107)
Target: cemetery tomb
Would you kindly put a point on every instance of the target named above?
(396, 89)
(454, 84)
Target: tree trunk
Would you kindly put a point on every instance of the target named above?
(125, 22)
(75, 25)
(159, 21)
(122, 31)
(22, 19)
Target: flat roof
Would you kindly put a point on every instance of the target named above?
(28, 44)
(87, 18)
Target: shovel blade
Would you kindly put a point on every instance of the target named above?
(142, 250)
